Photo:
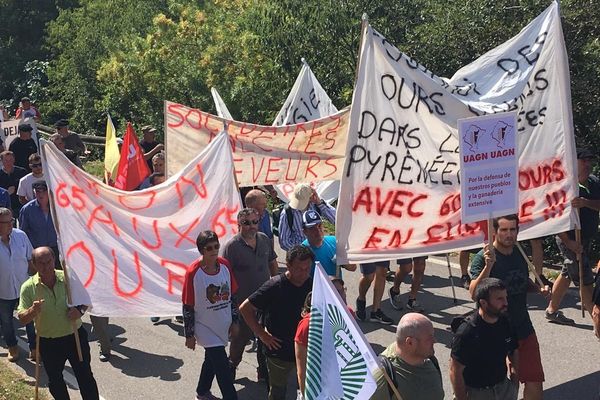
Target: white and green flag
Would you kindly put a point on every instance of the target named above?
(340, 362)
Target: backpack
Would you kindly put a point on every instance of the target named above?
(458, 321)
(289, 215)
(391, 372)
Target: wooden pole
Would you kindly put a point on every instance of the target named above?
(451, 278)
(37, 348)
(62, 262)
(530, 265)
(391, 384)
(580, 260)
(490, 226)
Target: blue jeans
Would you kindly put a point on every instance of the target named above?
(216, 364)
(7, 327)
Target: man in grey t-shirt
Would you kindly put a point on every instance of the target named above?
(253, 262)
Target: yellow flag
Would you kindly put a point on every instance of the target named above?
(111, 153)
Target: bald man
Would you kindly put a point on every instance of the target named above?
(257, 199)
(416, 370)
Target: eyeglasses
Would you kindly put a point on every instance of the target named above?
(213, 247)
(35, 165)
(248, 222)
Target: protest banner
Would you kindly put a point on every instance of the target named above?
(10, 130)
(340, 362)
(488, 166)
(262, 155)
(132, 249)
(400, 191)
(307, 101)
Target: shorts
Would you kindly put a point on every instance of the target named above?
(369, 268)
(570, 268)
(404, 261)
(530, 360)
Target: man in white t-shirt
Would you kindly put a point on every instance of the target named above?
(25, 190)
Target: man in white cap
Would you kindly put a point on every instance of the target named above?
(302, 199)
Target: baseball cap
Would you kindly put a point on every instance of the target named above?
(311, 218)
(25, 127)
(39, 185)
(583, 153)
(148, 129)
(61, 123)
(301, 196)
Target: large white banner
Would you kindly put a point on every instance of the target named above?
(400, 192)
(262, 155)
(131, 249)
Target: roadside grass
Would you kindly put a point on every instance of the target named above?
(95, 167)
(14, 386)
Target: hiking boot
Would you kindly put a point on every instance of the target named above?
(465, 281)
(13, 353)
(414, 306)
(379, 316)
(360, 309)
(559, 318)
(395, 299)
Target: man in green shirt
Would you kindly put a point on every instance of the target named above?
(44, 300)
(416, 370)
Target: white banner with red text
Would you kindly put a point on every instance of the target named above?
(131, 249)
(400, 191)
(262, 155)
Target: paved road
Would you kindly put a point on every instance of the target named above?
(151, 362)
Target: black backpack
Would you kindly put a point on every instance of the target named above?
(289, 215)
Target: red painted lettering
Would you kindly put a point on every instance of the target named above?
(138, 271)
(80, 246)
(103, 216)
(185, 235)
(146, 244)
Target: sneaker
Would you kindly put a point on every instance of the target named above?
(559, 318)
(414, 306)
(395, 299)
(360, 309)
(179, 319)
(104, 357)
(13, 353)
(379, 316)
(465, 281)
(154, 319)
(207, 396)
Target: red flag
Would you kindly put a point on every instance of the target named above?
(133, 169)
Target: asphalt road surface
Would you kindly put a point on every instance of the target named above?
(150, 361)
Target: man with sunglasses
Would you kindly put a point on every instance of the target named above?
(253, 261)
(25, 189)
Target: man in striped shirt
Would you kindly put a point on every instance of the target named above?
(302, 199)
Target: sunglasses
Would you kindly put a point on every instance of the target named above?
(35, 165)
(249, 222)
(213, 247)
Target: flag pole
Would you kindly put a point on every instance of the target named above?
(451, 278)
(530, 265)
(580, 260)
(62, 262)
(391, 384)
(37, 347)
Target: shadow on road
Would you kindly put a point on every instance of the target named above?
(588, 384)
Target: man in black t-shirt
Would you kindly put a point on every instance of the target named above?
(149, 144)
(481, 346)
(588, 204)
(504, 262)
(280, 300)
(23, 146)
